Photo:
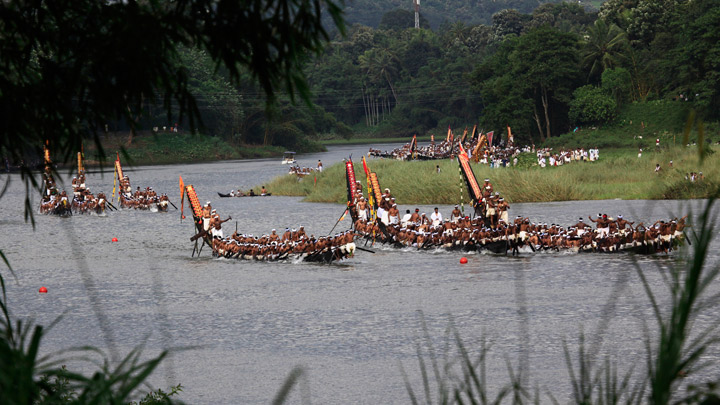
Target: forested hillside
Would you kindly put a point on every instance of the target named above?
(370, 12)
(544, 73)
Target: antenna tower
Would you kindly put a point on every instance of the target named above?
(416, 3)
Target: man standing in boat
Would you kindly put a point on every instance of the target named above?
(207, 216)
(361, 207)
(455, 215)
(436, 217)
(603, 225)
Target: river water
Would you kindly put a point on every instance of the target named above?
(239, 328)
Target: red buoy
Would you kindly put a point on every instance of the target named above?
(43, 290)
(114, 239)
(463, 260)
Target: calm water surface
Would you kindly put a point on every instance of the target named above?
(244, 326)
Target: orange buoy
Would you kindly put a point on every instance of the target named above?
(463, 260)
(43, 290)
(183, 217)
(114, 239)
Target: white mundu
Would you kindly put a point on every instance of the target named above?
(436, 218)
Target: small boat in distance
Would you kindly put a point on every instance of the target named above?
(289, 158)
(243, 195)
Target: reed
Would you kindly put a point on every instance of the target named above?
(618, 174)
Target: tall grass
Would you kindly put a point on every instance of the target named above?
(618, 174)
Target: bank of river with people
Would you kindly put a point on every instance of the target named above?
(617, 174)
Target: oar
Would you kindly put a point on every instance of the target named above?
(110, 205)
(363, 249)
(172, 204)
(338, 221)
(686, 238)
(198, 236)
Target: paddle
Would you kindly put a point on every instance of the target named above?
(364, 250)
(110, 205)
(686, 238)
(172, 204)
(198, 236)
(338, 221)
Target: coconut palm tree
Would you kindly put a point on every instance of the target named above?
(605, 47)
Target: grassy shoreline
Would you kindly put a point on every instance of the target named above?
(177, 148)
(618, 174)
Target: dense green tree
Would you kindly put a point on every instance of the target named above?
(695, 61)
(618, 12)
(400, 19)
(219, 102)
(69, 69)
(565, 16)
(591, 105)
(648, 18)
(508, 22)
(618, 83)
(503, 97)
(546, 62)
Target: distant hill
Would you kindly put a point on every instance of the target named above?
(370, 12)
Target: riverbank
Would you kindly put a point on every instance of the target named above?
(174, 148)
(368, 141)
(619, 174)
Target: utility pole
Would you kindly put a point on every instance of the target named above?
(416, 3)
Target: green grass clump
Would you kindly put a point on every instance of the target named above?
(618, 174)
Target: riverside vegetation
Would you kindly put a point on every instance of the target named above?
(618, 174)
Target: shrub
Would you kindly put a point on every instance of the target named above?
(591, 105)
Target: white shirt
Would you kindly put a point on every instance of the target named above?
(436, 218)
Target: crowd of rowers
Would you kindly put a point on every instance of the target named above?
(83, 202)
(293, 243)
(439, 150)
(491, 229)
(53, 201)
(147, 199)
(494, 156)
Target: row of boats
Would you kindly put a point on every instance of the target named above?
(57, 202)
(376, 220)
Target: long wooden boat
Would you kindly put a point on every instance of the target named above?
(53, 201)
(84, 202)
(144, 200)
(295, 247)
(478, 234)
